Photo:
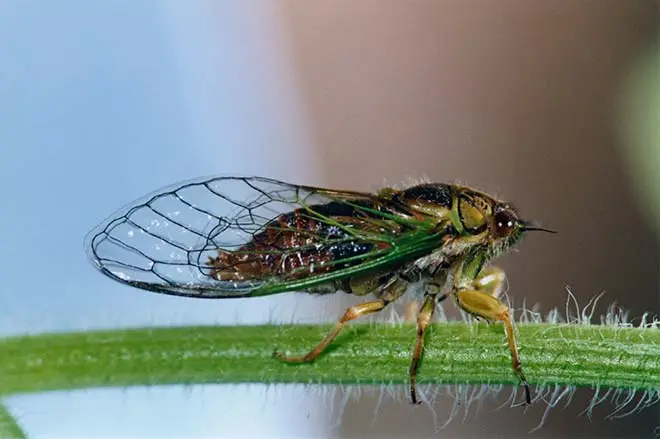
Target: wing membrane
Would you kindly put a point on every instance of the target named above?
(250, 236)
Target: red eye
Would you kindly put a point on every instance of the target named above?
(505, 222)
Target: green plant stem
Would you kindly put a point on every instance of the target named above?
(9, 429)
(577, 355)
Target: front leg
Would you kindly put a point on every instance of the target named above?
(477, 295)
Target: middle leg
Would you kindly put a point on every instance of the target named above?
(423, 320)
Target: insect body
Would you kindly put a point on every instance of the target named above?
(233, 237)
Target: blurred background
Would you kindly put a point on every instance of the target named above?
(552, 105)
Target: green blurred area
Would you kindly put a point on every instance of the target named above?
(641, 130)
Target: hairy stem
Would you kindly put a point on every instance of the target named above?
(577, 355)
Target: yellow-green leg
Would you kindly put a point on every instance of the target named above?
(423, 320)
(491, 280)
(393, 291)
(479, 298)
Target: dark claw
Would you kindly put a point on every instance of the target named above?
(528, 395)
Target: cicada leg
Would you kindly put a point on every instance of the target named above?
(433, 296)
(393, 291)
(423, 319)
(491, 280)
(479, 297)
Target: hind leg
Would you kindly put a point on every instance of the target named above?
(393, 291)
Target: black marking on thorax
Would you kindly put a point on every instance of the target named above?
(436, 193)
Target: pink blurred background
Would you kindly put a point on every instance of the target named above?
(523, 99)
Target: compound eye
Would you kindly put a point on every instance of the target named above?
(505, 222)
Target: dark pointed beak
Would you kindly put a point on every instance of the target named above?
(529, 226)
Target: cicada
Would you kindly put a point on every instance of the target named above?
(240, 237)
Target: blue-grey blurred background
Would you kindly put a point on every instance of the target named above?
(550, 104)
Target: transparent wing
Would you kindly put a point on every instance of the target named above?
(173, 241)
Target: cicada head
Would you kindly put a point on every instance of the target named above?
(498, 223)
(506, 228)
